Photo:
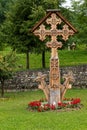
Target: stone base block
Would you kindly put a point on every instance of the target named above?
(55, 97)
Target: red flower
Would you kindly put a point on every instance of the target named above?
(59, 103)
(40, 109)
(67, 103)
(35, 104)
(46, 106)
(75, 101)
(52, 107)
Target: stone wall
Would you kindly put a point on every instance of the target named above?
(80, 75)
(25, 79)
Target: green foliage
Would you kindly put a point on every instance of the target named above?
(7, 64)
(3, 8)
(14, 114)
(79, 9)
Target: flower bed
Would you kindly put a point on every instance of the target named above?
(42, 105)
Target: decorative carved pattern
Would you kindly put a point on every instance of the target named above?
(53, 21)
(41, 32)
(54, 73)
(54, 44)
(40, 78)
(53, 32)
(66, 85)
(66, 32)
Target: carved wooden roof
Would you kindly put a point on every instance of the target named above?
(49, 12)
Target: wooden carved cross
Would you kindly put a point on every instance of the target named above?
(54, 19)
(42, 32)
(53, 32)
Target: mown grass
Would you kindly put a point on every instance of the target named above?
(66, 58)
(14, 114)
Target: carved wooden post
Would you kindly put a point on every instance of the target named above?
(54, 19)
(43, 84)
(66, 85)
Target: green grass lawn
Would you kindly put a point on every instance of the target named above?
(15, 116)
(67, 58)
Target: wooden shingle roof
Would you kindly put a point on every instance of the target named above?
(49, 12)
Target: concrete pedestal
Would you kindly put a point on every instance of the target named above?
(54, 96)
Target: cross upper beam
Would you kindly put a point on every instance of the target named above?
(54, 21)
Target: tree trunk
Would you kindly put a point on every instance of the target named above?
(27, 60)
(43, 59)
(2, 88)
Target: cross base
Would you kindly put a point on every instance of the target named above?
(54, 96)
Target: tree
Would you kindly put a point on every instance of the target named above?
(17, 26)
(7, 65)
(21, 17)
(3, 8)
(79, 9)
(83, 22)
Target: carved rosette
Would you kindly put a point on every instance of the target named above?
(54, 20)
(54, 44)
(41, 32)
(66, 32)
